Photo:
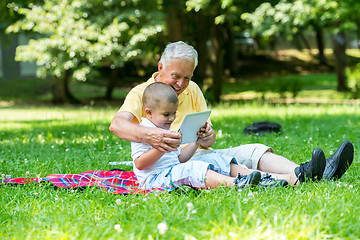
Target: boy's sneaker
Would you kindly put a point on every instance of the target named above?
(242, 181)
(312, 170)
(268, 181)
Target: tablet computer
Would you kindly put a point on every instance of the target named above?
(192, 124)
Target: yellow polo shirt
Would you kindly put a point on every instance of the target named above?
(190, 101)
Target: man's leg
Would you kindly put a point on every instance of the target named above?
(262, 158)
(273, 163)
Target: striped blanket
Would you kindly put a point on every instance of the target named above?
(114, 181)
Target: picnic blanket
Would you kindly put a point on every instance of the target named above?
(114, 181)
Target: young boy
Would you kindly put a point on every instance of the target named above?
(155, 168)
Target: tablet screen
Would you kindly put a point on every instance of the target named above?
(192, 124)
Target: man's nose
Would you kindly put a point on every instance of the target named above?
(181, 82)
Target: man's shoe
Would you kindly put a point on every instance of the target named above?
(339, 162)
(314, 169)
(242, 181)
(268, 181)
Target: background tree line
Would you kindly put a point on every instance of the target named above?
(81, 40)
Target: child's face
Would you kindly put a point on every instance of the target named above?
(163, 115)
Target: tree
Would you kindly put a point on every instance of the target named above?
(289, 18)
(78, 36)
(293, 18)
(8, 15)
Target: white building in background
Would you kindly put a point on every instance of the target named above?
(9, 68)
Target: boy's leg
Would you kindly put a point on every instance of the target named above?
(215, 180)
(235, 169)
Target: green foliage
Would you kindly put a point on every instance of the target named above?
(9, 10)
(78, 35)
(353, 74)
(291, 17)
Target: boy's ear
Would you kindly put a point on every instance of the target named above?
(147, 111)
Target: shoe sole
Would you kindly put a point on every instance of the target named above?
(346, 157)
(279, 183)
(319, 166)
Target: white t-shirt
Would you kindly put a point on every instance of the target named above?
(167, 160)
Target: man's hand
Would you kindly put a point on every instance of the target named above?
(206, 136)
(163, 140)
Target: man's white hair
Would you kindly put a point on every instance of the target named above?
(179, 50)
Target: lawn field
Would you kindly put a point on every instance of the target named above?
(37, 141)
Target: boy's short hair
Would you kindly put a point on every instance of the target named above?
(157, 92)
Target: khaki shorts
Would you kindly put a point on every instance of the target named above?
(247, 155)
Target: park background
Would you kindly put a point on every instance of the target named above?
(66, 67)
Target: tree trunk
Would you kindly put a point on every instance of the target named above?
(321, 45)
(61, 91)
(358, 34)
(111, 83)
(201, 35)
(230, 54)
(339, 47)
(173, 20)
(217, 61)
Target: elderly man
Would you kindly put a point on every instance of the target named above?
(176, 68)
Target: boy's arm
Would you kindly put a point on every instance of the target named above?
(203, 137)
(123, 127)
(188, 151)
(148, 158)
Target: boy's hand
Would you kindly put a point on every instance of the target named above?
(205, 134)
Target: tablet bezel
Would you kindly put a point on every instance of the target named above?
(192, 124)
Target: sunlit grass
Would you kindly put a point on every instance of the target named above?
(69, 140)
(313, 88)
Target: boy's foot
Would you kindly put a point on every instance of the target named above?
(268, 181)
(314, 169)
(242, 181)
(339, 162)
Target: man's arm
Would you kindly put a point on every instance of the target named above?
(161, 139)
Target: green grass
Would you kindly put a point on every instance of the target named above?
(315, 87)
(50, 140)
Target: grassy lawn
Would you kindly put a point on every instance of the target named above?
(50, 140)
(312, 87)
(38, 139)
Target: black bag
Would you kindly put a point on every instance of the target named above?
(262, 127)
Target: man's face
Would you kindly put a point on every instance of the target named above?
(177, 74)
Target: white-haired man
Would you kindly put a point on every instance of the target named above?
(176, 68)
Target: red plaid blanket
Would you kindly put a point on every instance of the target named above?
(115, 181)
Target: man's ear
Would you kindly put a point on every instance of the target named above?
(148, 111)
(160, 66)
